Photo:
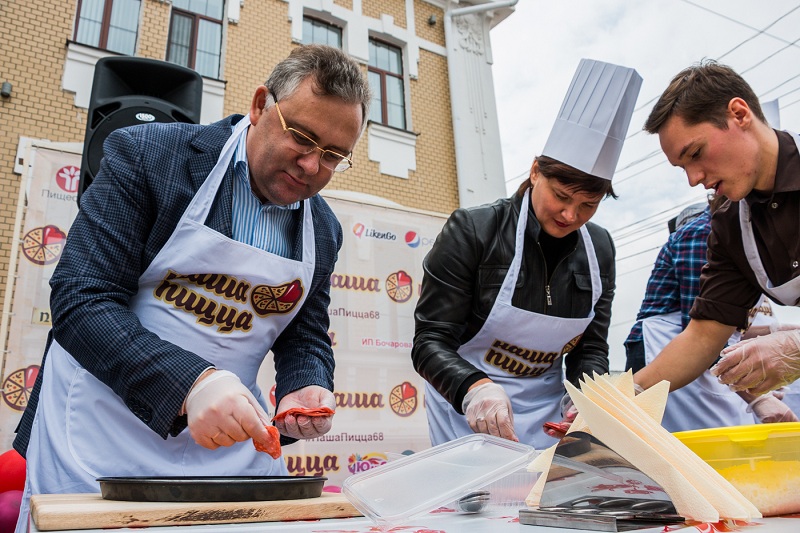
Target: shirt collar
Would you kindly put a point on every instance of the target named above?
(242, 173)
(787, 172)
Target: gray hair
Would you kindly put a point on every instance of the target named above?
(335, 74)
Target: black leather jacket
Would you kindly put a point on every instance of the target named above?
(463, 274)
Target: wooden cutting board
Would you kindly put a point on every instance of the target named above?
(53, 512)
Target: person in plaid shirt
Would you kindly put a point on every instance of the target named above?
(675, 279)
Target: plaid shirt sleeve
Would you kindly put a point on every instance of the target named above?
(675, 280)
(691, 254)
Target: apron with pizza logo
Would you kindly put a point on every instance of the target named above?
(522, 351)
(219, 298)
(789, 292)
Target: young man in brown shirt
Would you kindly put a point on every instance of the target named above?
(710, 123)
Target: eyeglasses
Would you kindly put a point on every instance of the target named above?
(303, 144)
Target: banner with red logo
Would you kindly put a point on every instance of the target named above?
(380, 410)
(52, 188)
(379, 396)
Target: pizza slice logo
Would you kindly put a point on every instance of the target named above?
(18, 386)
(280, 299)
(43, 246)
(399, 286)
(571, 344)
(403, 399)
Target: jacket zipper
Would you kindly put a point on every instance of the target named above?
(547, 276)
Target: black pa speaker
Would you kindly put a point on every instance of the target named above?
(135, 90)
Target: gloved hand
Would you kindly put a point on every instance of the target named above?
(222, 411)
(779, 326)
(302, 426)
(769, 409)
(568, 413)
(488, 410)
(761, 364)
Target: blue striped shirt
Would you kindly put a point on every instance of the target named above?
(266, 226)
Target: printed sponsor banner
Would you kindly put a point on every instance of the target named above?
(379, 397)
(52, 187)
(380, 411)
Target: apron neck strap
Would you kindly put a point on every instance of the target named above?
(200, 205)
(507, 289)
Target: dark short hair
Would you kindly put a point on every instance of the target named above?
(335, 73)
(570, 177)
(701, 93)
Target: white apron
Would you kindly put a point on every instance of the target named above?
(522, 351)
(703, 403)
(83, 430)
(789, 292)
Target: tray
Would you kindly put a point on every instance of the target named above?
(210, 489)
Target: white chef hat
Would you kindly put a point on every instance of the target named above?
(594, 118)
(772, 112)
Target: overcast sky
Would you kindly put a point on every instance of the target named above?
(536, 51)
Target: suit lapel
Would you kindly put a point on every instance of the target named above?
(208, 145)
(297, 240)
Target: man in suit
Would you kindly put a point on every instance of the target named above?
(197, 250)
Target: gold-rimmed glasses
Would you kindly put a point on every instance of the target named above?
(303, 144)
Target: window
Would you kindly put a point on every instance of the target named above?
(386, 80)
(108, 24)
(195, 35)
(319, 32)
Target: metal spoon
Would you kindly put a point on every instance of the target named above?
(474, 502)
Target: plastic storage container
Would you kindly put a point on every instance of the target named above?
(419, 483)
(761, 460)
(510, 491)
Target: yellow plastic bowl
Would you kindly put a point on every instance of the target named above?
(761, 460)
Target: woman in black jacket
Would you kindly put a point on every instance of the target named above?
(514, 289)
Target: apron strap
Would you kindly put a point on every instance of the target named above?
(200, 205)
(594, 267)
(507, 288)
(789, 292)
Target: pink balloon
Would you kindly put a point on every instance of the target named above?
(9, 510)
(12, 471)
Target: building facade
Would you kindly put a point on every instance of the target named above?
(431, 144)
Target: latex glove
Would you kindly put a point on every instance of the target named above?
(769, 409)
(762, 364)
(302, 426)
(488, 410)
(568, 412)
(222, 411)
(778, 326)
